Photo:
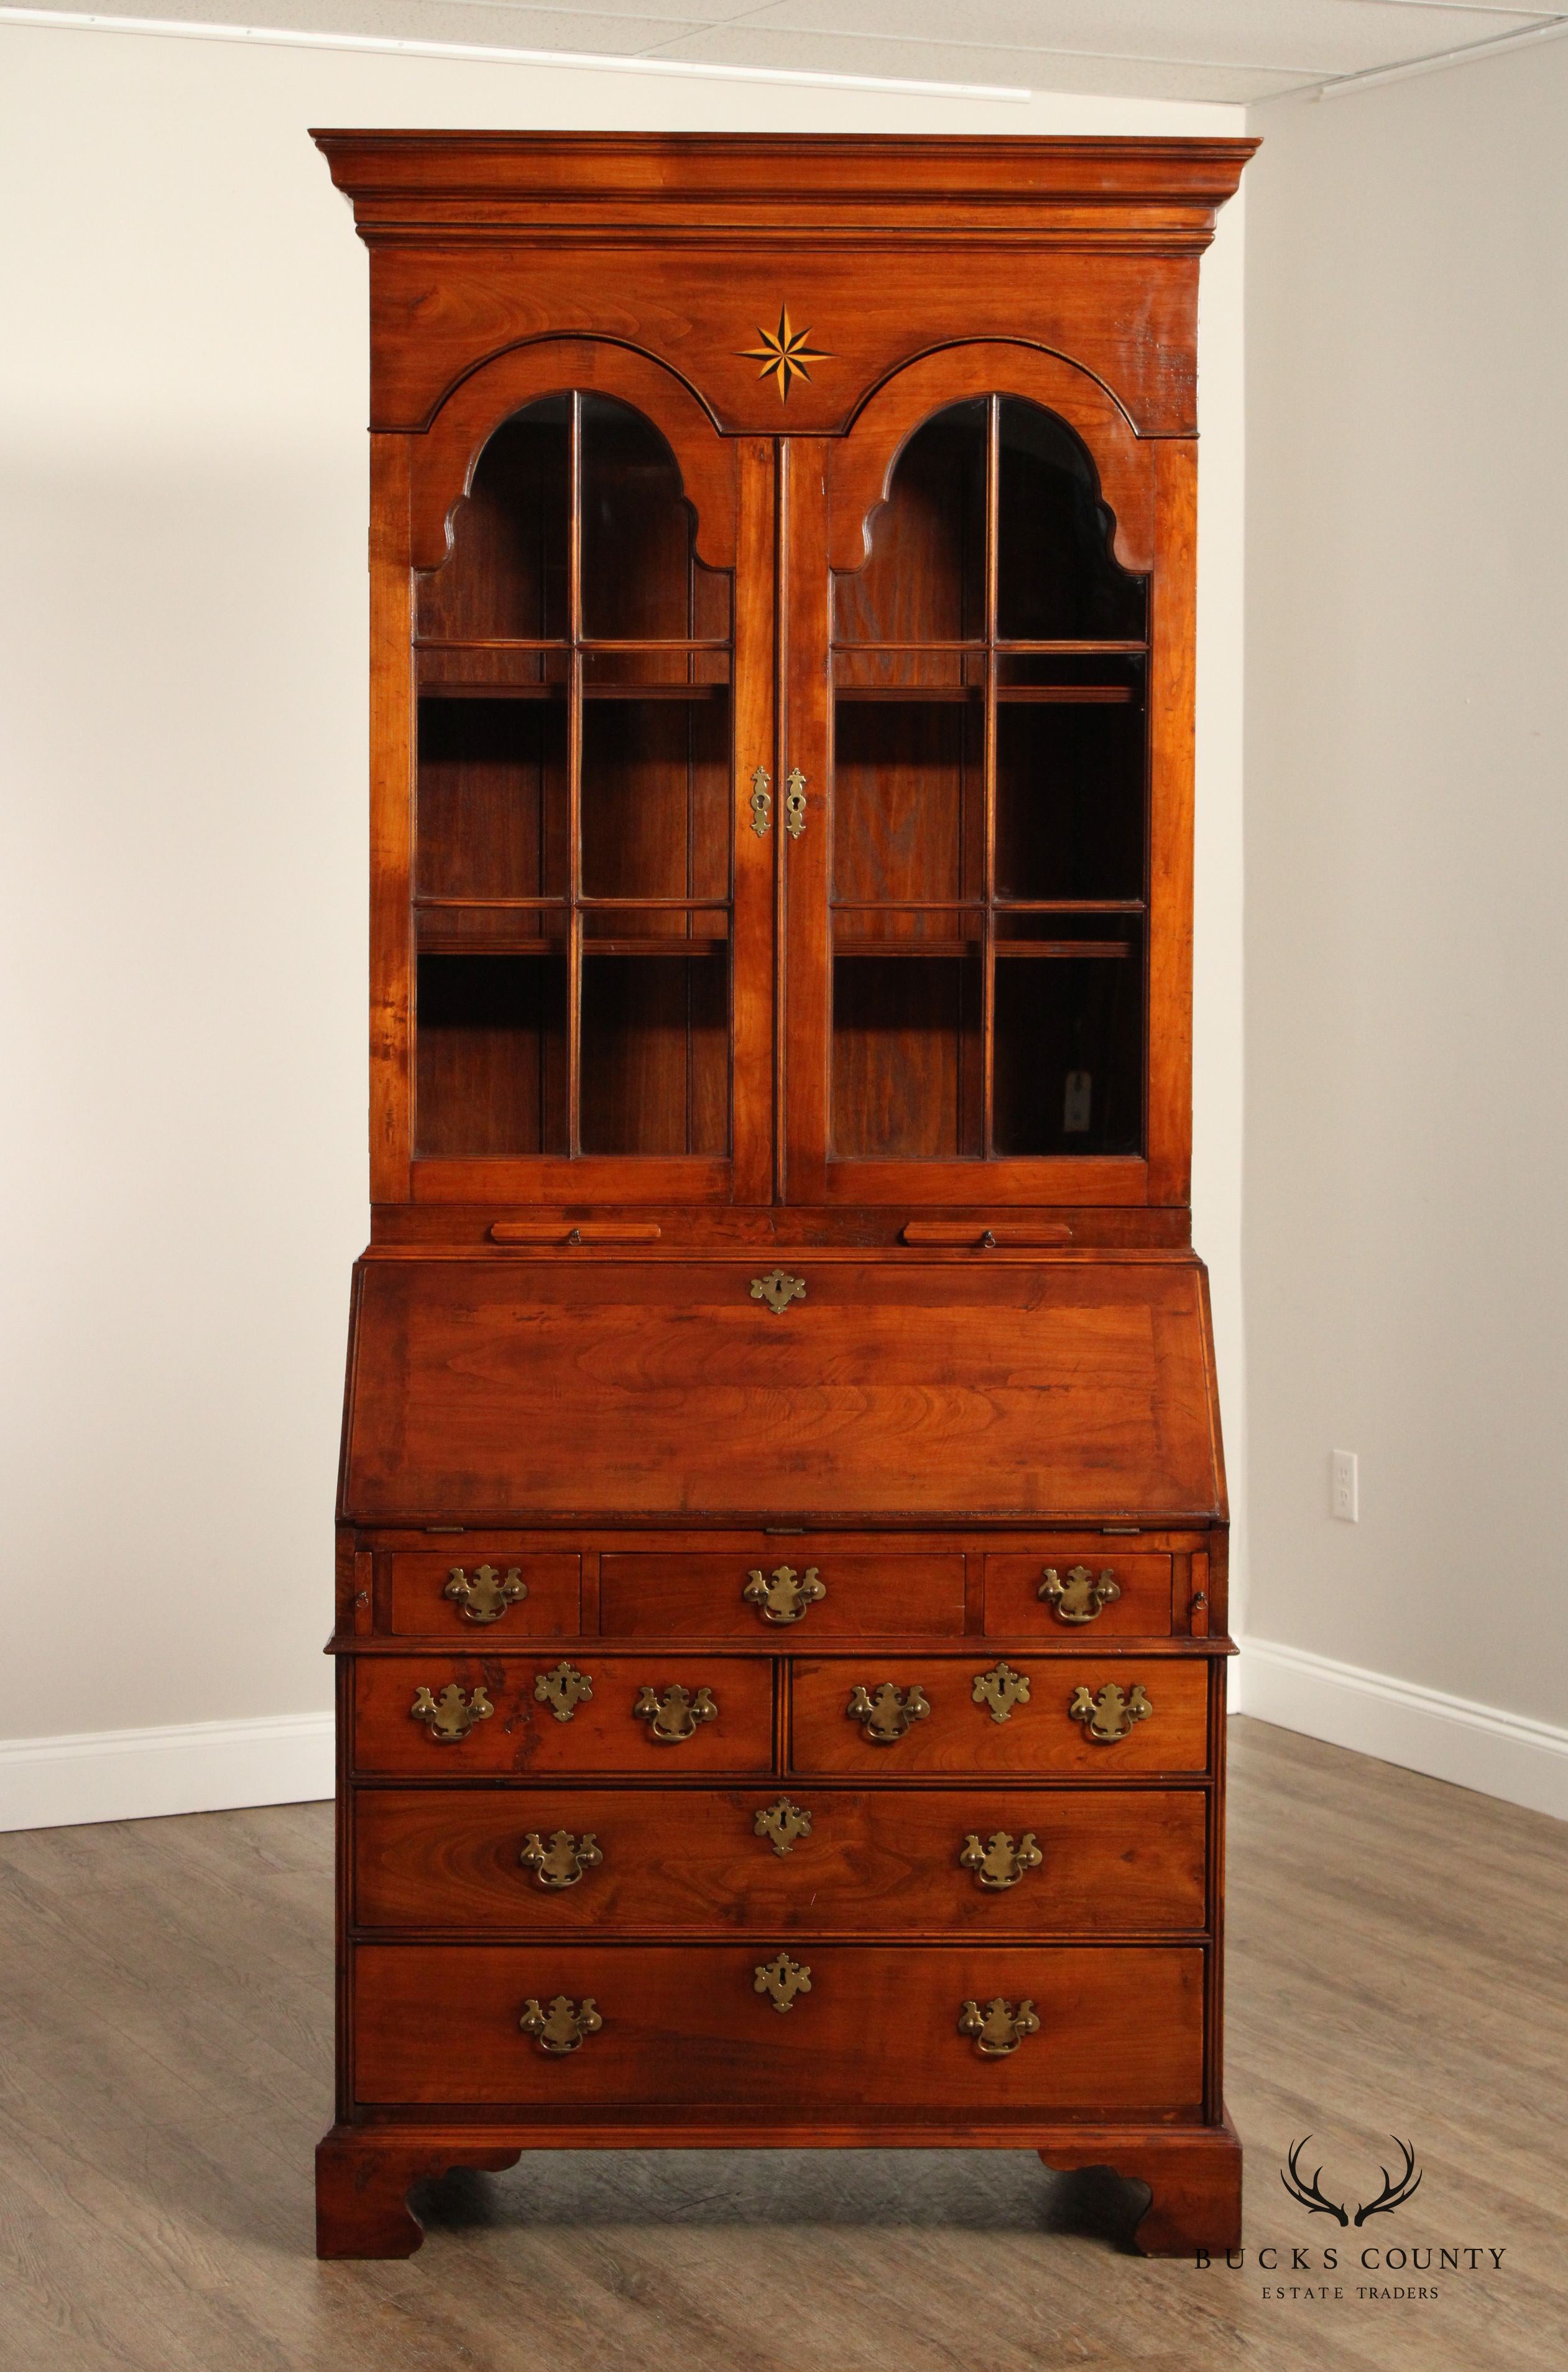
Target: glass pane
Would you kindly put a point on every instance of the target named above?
(492, 1054)
(1055, 577)
(507, 571)
(925, 578)
(655, 795)
(656, 1053)
(1070, 764)
(909, 795)
(492, 802)
(1069, 1055)
(641, 579)
(906, 1056)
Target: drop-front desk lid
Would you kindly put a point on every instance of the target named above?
(589, 1388)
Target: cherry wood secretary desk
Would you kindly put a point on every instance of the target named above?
(782, 1534)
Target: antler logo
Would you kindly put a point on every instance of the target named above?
(1395, 2192)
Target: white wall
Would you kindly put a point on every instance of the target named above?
(183, 644)
(1407, 965)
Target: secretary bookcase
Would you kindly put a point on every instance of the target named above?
(782, 1547)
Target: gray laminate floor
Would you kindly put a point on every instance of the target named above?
(1398, 1956)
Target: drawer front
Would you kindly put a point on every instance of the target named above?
(1119, 2028)
(1087, 1596)
(1098, 1717)
(795, 1593)
(634, 1719)
(828, 1861)
(486, 1594)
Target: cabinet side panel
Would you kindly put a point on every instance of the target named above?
(391, 820)
(1171, 698)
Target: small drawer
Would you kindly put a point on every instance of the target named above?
(808, 1590)
(1075, 1594)
(487, 1593)
(449, 1718)
(864, 1715)
(877, 2033)
(981, 1860)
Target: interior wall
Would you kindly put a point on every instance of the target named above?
(183, 646)
(1407, 970)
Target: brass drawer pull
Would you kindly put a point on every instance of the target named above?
(1079, 1599)
(998, 2029)
(886, 1714)
(486, 1598)
(1111, 1714)
(784, 1596)
(761, 802)
(561, 1862)
(451, 1715)
(795, 803)
(781, 1980)
(784, 1824)
(564, 1689)
(563, 2026)
(1001, 1689)
(675, 1715)
(1001, 1863)
(778, 1289)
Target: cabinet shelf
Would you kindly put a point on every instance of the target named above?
(1047, 950)
(1076, 695)
(558, 691)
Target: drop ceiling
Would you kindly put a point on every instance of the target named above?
(1236, 51)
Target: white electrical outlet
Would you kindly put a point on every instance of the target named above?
(1344, 1488)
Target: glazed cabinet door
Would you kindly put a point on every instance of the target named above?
(987, 728)
(574, 944)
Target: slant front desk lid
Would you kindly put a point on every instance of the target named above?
(488, 1388)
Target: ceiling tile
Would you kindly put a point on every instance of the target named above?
(739, 45)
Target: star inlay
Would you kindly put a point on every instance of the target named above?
(784, 353)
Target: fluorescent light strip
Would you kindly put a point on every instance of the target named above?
(597, 62)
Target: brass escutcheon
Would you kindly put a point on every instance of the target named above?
(1080, 1598)
(1000, 1690)
(486, 1598)
(564, 1689)
(561, 1862)
(563, 2026)
(784, 1824)
(886, 1714)
(762, 803)
(451, 1715)
(998, 2029)
(675, 1714)
(781, 1980)
(778, 1289)
(1112, 1713)
(795, 803)
(782, 1596)
(1001, 1863)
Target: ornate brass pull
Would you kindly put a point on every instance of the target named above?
(1080, 1598)
(784, 1824)
(486, 1598)
(451, 1715)
(998, 2029)
(781, 1980)
(795, 803)
(561, 1862)
(675, 1714)
(1001, 1863)
(563, 2026)
(564, 1689)
(784, 1596)
(1112, 1714)
(762, 804)
(778, 1289)
(886, 1714)
(1001, 1689)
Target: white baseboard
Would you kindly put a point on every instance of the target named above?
(143, 1774)
(1503, 1754)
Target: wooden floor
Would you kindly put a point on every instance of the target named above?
(1398, 1966)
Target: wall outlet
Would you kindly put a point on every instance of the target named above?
(1345, 1486)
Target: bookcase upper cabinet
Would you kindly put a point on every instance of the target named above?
(782, 561)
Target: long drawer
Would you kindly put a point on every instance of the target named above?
(982, 1860)
(905, 1717)
(816, 1591)
(653, 1714)
(1117, 2029)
